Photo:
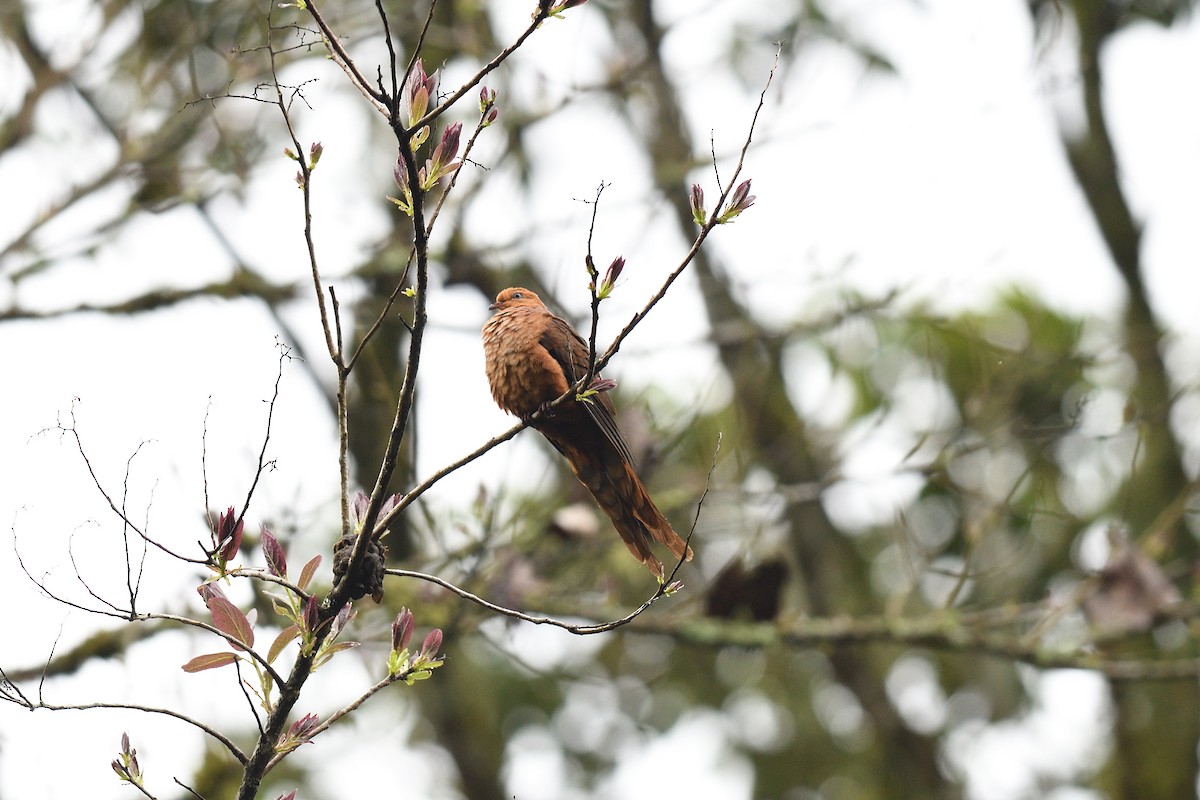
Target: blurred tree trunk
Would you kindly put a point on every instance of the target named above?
(374, 386)
(1157, 726)
(834, 577)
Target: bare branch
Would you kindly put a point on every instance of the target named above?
(74, 432)
(228, 743)
(579, 629)
(712, 222)
(538, 18)
(285, 353)
(343, 60)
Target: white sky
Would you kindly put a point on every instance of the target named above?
(946, 182)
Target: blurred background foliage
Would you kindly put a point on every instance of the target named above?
(1026, 432)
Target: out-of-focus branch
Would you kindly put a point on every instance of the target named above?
(228, 743)
(242, 284)
(1096, 166)
(104, 644)
(937, 632)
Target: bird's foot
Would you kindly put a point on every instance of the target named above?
(544, 411)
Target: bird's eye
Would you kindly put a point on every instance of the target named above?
(517, 296)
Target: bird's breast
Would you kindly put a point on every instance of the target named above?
(521, 373)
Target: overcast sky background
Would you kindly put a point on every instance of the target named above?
(945, 181)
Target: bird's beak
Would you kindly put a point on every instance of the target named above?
(494, 307)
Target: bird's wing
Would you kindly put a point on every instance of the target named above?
(571, 352)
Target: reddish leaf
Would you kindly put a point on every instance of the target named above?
(209, 590)
(229, 620)
(309, 570)
(209, 661)
(273, 551)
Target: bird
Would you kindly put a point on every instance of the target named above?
(534, 357)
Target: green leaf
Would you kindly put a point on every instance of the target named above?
(281, 641)
(209, 661)
(329, 652)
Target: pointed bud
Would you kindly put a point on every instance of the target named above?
(314, 154)
(449, 143)
(432, 643)
(312, 616)
(273, 552)
(487, 98)
(340, 621)
(441, 162)
(358, 509)
(610, 277)
(302, 727)
(392, 500)
(402, 630)
(227, 537)
(296, 735)
(418, 88)
(208, 591)
(400, 173)
(739, 201)
(697, 201)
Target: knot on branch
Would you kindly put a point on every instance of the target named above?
(368, 578)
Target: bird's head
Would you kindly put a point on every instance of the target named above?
(515, 296)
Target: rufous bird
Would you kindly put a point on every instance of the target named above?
(533, 358)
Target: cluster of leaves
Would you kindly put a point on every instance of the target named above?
(412, 667)
(296, 605)
(443, 162)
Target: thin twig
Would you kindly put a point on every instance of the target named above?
(74, 432)
(237, 665)
(233, 749)
(593, 289)
(538, 18)
(335, 354)
(410, 496)
(705, 229)
(343, 60)
(687, 542)
(189, 789)
(580, 629)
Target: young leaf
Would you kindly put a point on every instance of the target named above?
(229, 620)
(309, 570)
(209, 661)
(281, 641)
(273, 552)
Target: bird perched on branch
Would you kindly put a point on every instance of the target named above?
(533, 358)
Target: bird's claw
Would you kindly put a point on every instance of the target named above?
(545, 411)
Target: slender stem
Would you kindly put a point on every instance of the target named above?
(474, 80)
